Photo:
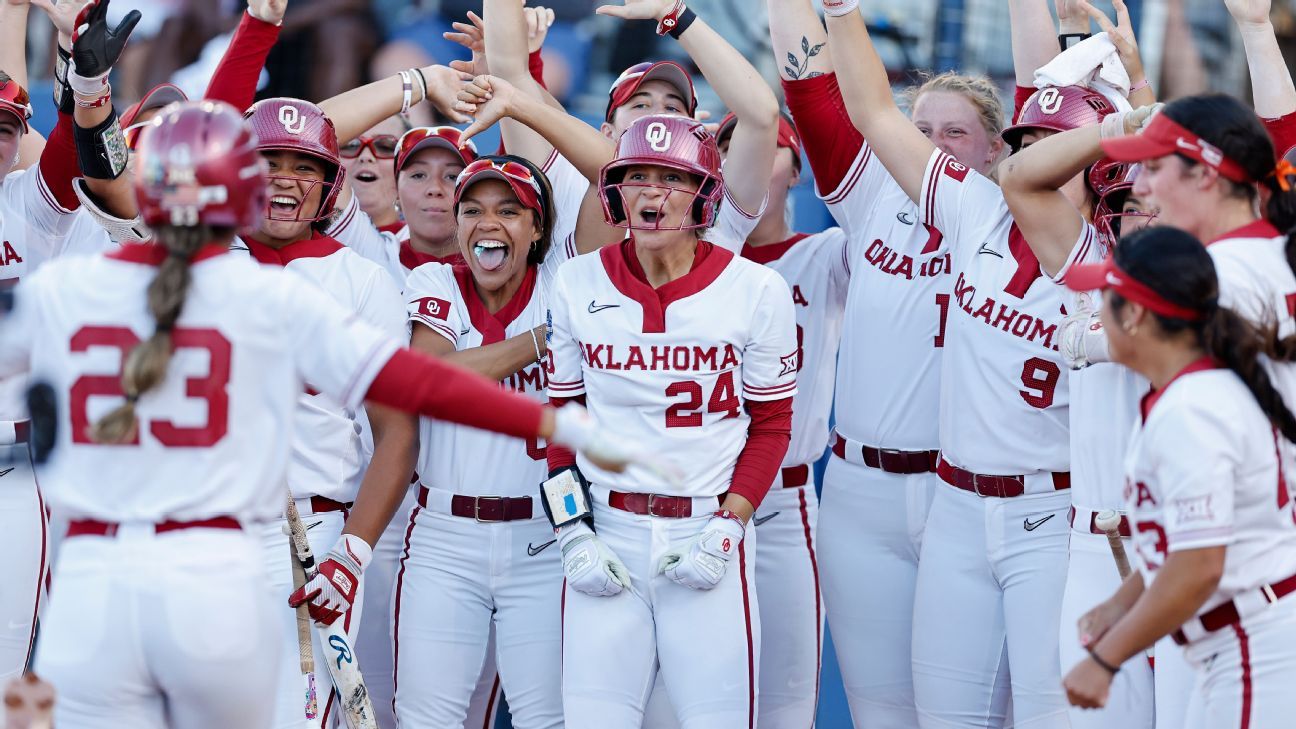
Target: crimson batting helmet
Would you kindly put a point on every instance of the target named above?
(1058, 109)
(198, 164)
(1109, 212)
(293, 125)
(660, 140)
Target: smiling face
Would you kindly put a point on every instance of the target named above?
(425, 188)
(1176, 191)
(495, 233)
(953, 124)
(296, 189)
(652, 97)
(373, 179)
(650, 205)
(11, 132)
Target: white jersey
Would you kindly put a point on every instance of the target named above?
(1202, 471)
(214, 437)
(1255, 279)
(672, 366)
(465, 460)
(33, 229)
(1003, 386)
(730, 231)
(899, 295)
(328, 455)
(1104, 406)
(814, 267)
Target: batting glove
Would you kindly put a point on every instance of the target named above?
(590, 565)
(95, 46)
(331, 592)
(700, 562)
(1083, 341)
(573, 427)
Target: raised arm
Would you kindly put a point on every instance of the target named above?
(1126, 41)
(1034, 41)
(13, 41)
(903, 149)
(235, 78)
(360, 108)
(1271, 83)
(507, 52)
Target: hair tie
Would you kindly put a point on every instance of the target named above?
(1283, 171)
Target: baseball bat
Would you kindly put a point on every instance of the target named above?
(357, 708)
(1109, 522)
(305, 651)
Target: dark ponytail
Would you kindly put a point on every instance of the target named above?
(1177, 267)
(146, 365)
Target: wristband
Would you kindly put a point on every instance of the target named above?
(63, 92)
(671, 18)
(1109, 668)
(686, 19)
(407, 91)
(93, 102)
(101, 151)
(1068, 40)
(1140, 86)
(417, 75)
(838, 8)
(536, 341)
(727, 514)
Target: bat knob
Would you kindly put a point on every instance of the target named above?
(1107, 520)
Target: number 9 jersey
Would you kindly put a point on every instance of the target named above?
(672, 366)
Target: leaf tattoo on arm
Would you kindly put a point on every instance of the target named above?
(797, 69)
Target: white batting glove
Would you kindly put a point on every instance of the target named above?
(590, 565)
(700, 562)
(332, 591)
(1083, 340)
(573, 427)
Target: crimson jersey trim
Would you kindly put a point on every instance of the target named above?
(1150, 399)
(1259, 228)
(151, 254)
(316, 247)
(772, 252)
(493, 326)
(623, 269)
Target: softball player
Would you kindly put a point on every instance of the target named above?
(647, 332)
(1211, 510)
(153, 558)
(371, 175)
(474, 561)
(879, 483)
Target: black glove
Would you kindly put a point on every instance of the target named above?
(95, 47)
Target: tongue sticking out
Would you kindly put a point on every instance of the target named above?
(490, 258)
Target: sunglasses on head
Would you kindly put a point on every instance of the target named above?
(508, 168)
(383, 146)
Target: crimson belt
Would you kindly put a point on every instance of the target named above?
(999, 486)
(320, 504)
(668, 507)
(488, 509)
(1225, 615)
(890, 460)
(96, 528)
(796, 476)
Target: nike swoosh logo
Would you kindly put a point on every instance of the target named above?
(463, 332)
(985, 248)
(1030, 526)
(533, 550)
(596, 308)
(1179, 142)
(7, 471)
(762, 519)
(904, 218)
(312, 525)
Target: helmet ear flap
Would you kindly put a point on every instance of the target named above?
(613, 199)
(704, 202)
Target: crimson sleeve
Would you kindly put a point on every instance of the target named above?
(556, 455)
(417, 383)
(1021, 95)
(831, 141)
(58, 163)
(768, 437)
(535, 63)
(236, 76)
(1283, 132)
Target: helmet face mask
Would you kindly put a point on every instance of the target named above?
(309, 192)
(672, 142)
(293, 125)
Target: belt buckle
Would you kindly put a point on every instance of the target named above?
(976, 485)
(651, 502)
(1269, 594)
(477, 505)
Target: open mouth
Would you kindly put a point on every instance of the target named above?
(284, 203)
(491, 254)
(365, 176)
(650, 216)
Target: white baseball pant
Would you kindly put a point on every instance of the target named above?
(23, 529)
(322, 531)
(1173, 680)
(1246, 672)
(870, 535)
(991, 574)
(172, 630)
(457, 579)
(1091, 579)
(791, 615)
(706, 642)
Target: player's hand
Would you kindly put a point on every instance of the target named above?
(1071, 17)
(63, 15)
(538, 20)
(443, 91)
(1094, 624)
(268, 11)
(1083, 341)
(638, 9)
(332, 591)
(487, 99)
(590, 565)
(574, 428)
(1121, 35)
(29, 703)
(95, 46)
(700, 562)
(1249, 12)
(1087, 685)
(470, 35)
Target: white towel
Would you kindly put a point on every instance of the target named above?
(1094, 63)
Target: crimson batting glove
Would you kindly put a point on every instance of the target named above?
(700, 562)
(332, 590)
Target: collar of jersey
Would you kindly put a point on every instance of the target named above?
(1258, 228)
(151, 254)
(622, 267)
(318, 246)
(773, 251)
(412, 259)
(490, 325)
(1150, 399)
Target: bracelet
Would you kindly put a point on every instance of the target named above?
(838, 8)
(93, 102)
(1068, 40)
(671, 18)
(1140, 85)
(407, 91)
(536, 341)
(686, 19)
(421, 79)
(1109, 668)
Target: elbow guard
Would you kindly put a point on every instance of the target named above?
(120, 230)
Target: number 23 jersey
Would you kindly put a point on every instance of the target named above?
(671, 367)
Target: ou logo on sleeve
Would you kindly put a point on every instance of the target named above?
(1050, 100)
(658, 136)
(291, 119)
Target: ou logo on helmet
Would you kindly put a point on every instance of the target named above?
(1050, 100)
(291, 119)
(658, 136)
